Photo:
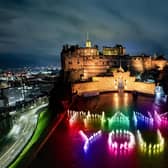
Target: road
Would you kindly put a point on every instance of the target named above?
(20, 134)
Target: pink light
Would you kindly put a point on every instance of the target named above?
(83, 135)
(73, 118)
(157, 118)
(116, 137)
(161, 120)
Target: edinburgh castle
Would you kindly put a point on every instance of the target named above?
(83, 63)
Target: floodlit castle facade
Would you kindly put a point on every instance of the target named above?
(83, 63)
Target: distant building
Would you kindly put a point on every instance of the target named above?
(83, 63)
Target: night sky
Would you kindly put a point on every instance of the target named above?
(32, 32)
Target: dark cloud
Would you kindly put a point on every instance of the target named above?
(39, 28)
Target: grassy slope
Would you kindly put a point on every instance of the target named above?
(42, 124)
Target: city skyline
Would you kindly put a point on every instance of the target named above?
(33, 32)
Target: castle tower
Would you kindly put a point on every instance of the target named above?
(88, 42)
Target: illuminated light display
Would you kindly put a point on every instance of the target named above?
(150, 115)
(119, 120)
(86, 117)
(89, 140)
(73, 118)
(120, 140)
(93, 117)
(161, 120)
(143, 121)
(157, 121)
(164, 120)
(103, 120)
(135, 120)
(151, 148)
(90, 119)
(157, 118)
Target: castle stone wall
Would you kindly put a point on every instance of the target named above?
(102, 84)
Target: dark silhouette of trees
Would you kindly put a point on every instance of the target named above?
(60, 96)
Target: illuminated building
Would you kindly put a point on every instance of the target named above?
(116, 50)
(83, 63)
(120, 80)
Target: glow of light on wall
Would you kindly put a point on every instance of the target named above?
(89, 140)
(151, 148)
